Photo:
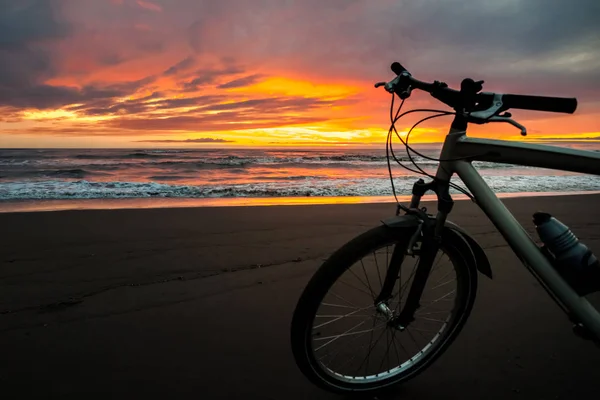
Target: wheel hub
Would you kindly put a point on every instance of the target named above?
(382, 308)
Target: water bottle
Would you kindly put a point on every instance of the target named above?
(573, 260)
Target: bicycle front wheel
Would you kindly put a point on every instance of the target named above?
(343, 343)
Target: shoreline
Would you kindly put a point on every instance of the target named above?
(20, 206)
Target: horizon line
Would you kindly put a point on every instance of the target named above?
(220, 146)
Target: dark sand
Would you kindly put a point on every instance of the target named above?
(170, 303)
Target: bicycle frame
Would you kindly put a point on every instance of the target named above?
(458, 145)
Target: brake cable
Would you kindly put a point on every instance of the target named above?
(389, 148)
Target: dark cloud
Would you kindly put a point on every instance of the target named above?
(151, 45)
(526, 46)
(206, 123)
(141, 114)
(147, 104)
(90, 104)
(111, 59)
(501, 27)
(196, 83)
(46, 96)
(182, 65)
(272, 105)
(72, 130)
(26, 29)
(25, 23)
(186, 102)
(132, 86)
(42, 96)
(506, 42)
(241, 82)
(206, 76)
(199, 140)
(29, 32)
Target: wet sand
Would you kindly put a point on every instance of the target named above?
(197, 302)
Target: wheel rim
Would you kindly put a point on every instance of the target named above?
(351, 341)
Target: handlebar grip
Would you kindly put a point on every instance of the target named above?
(540, 103)
(397, 68)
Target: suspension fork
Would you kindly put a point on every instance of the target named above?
(430, 230)
(429, 248)
(393, 269)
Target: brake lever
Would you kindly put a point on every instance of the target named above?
(388, 86)
(510, 121)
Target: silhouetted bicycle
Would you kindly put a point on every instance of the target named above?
(367, 320)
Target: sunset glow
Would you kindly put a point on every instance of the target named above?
(126, 73)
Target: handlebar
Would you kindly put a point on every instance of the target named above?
(540, 103)
(469, 100)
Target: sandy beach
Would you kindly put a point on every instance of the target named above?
(197, 302)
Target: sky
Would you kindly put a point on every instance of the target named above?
(183, 73)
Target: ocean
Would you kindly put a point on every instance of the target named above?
(34, 177)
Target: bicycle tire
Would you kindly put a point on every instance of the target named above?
(332, 269)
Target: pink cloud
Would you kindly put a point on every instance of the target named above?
(149, 6)
(142, 27)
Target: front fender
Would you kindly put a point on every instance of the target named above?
(483, 263)
(468, 246)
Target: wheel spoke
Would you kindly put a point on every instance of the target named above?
(336, 337)
(419, 329)
(369, 353)
(393, 341)
(342, 299)
(395, 347)
(387, 257)
(412, 337)
(430, 312)
(354, 287)
(423, 336)
(346, 333)
(443, 277)
(346, 315)
(370, 343)
(367, 277)
(443, 298)
(400, 291)
(340, 317)
(368, 287)
(336, 305)
(352, 340)
(435, 264)
(411, 276)
(387, 350)
(442, 284)
(378, 272)
(432, 319)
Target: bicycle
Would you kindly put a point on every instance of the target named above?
(397, 307)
